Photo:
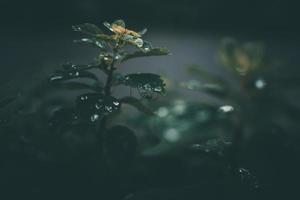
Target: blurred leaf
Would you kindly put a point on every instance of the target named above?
(213, 89)
(151, 52)
(147, 84)
(137, 104)
(94, 105)
(198, 71)
(87, 28)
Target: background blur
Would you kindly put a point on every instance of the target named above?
(36, 38)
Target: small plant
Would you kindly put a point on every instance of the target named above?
(97, 106)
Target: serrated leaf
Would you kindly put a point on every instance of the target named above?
(150, 52)
(95, 105)
(147, 84)
(137, 104)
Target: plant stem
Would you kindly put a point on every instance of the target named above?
(107, 87)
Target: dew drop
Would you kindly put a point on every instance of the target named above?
(94, 117)
(260, 84)
(162, 112)
(56, 77)
(226, 108)
(116, 103)
(171, 135)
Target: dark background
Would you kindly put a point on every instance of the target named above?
(36, 37)
(39, 16)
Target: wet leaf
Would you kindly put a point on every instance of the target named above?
(137, 104)
(87, 28)
(71, 71)
(95, 105)
(151, 52)
(147, 84)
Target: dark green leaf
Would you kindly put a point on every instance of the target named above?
(71, 71)
(95, 105)
(137, 104)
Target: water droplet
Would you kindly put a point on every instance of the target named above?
(56, 77)
(94, 117)
(162, 112)
(171, 135)
(260, 84)
(108, 108)
(77, 28)
(226, 108)
(179, 107)
(97, 106)
(116, 103)
(158, 89)
(139, 42)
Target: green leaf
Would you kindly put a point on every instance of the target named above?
(137, 104)
(71, 71)
(95, 105)
(148, 85)
(150, 52)
(88, 29)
